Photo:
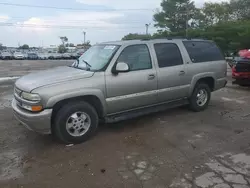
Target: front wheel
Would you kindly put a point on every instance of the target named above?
(75, 123)
(200, 98)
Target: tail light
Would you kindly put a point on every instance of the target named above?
(234, 68)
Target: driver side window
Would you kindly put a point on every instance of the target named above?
(137, 57)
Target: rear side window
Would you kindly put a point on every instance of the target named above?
(203, 51)
(168, 55)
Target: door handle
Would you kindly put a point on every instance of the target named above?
(151, 76)
(181, 73)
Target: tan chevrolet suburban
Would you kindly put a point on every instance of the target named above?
(114, 81)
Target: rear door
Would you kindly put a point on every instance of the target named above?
(171, 71)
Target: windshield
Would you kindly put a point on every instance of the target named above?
(97, 57)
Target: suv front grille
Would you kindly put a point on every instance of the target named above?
(242, 67)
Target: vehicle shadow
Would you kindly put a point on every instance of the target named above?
(144, 121)
(149, 122)
(239, 88)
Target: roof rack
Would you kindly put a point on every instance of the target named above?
(184, 38)
(173, 38)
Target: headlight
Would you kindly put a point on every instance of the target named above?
(30, 96)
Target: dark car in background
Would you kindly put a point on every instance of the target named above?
(32, 56)
(74, 55)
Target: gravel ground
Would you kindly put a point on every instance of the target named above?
(176, 148)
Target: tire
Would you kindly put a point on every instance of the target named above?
(196, 105)
(65, 114)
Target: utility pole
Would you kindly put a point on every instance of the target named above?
(147, 25)
(187, 19)
(84, 33)
(187, 26)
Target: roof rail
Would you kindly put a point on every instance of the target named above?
(173, 38)
(181, 38)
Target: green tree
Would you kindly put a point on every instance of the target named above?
(25, 47)
(228, 24)
(175, 15)
(1, 46)
(240, 9)
(70, 45)
(214, 13)
(87, 43)
(62, 49)
(134, 36)
(229, 36)
(64, 40)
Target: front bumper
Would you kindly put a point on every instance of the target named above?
(19, 57)
(38, 122)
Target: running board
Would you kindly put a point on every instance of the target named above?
(145, 111)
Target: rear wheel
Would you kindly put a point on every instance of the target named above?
(200, 98)
(75, 123)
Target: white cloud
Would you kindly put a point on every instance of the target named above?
(99, 25)
(72, 20)
(46, 30)
(4, 18)
(32, 24)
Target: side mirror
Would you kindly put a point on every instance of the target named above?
(122, 67)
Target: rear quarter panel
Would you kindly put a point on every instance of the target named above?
(215, 69)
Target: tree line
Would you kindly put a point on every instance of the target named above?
(226, 23)
(62, 48)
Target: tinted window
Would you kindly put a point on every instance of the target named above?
(203, 51)
(168, 55)
(137, 57)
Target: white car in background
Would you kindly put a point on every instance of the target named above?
(43, 56)
(18, 55)
(5, 55)
(66, 56)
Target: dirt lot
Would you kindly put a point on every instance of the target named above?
(176, 148)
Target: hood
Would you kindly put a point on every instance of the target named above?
(43, 78)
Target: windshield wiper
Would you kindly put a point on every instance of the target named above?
(86, 63)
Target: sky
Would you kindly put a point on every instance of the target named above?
(102, 20)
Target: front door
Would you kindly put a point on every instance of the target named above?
(133, 89)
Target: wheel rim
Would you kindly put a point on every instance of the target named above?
(202, 97)
(78, 124)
